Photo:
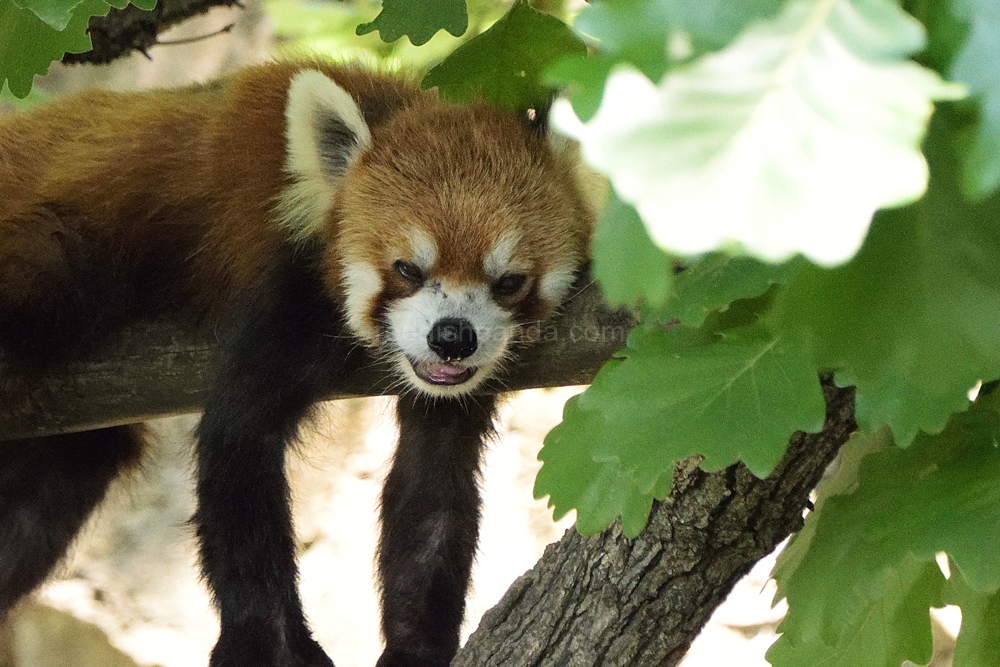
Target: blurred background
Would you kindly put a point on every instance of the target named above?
(129, 593)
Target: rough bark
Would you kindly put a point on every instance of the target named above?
(608, 600)
(132, 29)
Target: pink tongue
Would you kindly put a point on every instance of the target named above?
(444, 372)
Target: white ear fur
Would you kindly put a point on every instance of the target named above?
(325, 132)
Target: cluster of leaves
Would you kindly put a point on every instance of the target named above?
(774, 215)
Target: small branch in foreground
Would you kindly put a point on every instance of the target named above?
(196, 38)
(132, 29)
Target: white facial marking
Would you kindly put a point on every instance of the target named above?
(555, 284)
(411, 319)
(498, 261)
(423, 247)
(362, 284)
(312, 98)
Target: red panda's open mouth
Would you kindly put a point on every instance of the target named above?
(443, 372)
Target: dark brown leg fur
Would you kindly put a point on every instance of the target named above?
(48, 488)
(430, 526)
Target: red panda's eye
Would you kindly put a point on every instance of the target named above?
(409, 272)
(509, 284)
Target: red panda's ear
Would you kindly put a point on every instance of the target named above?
(325, 131)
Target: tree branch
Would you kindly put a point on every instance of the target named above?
(132, 29)
(608, 600)
(160, 367)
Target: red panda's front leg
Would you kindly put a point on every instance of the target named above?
(430, 527)
(275, 361)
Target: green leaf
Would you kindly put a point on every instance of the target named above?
(417, 19)
(742, 150)
(713, 24)
(638, 32)
(737, 395)
(599, 492)
(978, 643)
(893, 627)
(978, 65)
(941, 494)
(716, 280)
(914, 320)
(22, 104)
(28, 45)
(504, 65)
(581, 79)
(627, 264)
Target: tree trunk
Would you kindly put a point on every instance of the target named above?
(608, 600)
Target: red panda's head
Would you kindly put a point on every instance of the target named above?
(449, 229)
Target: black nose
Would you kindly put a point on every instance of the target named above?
(452, 339)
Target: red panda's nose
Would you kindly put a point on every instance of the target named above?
(452, 339)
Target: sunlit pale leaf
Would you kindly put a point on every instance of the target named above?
(650, 35)
(786, 141)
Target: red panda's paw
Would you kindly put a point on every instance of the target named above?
(397, 658)
(261, 648)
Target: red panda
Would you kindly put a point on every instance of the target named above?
(319, 217)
